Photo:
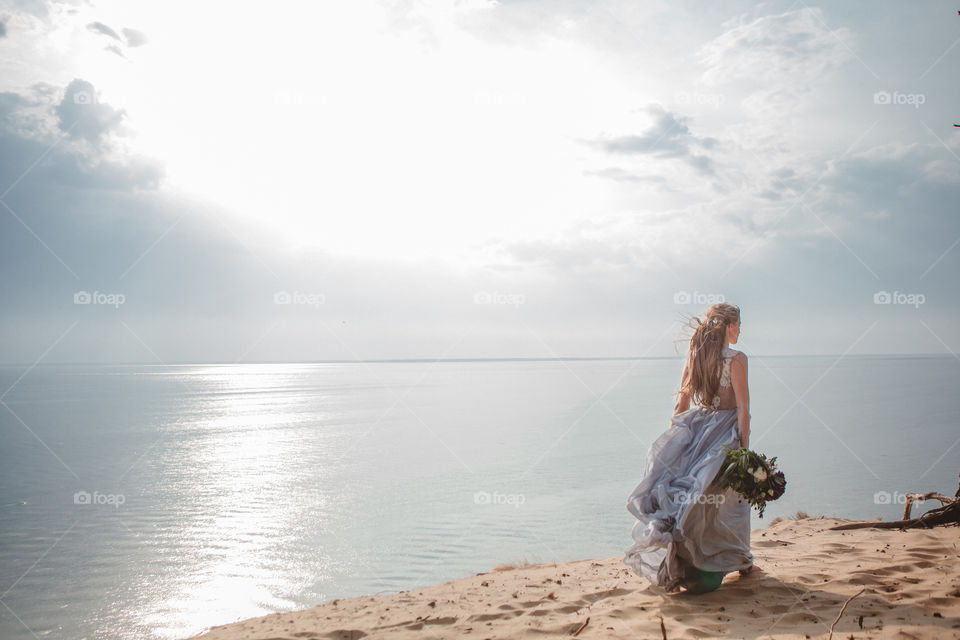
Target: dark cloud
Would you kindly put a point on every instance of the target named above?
(126, 174)
(668, 137)
(29, 129)
(82, 116)
(132, 37)
(898, 215)
(29, 115)
(135, 38)
(99, 27)
(115, 49)
(9, 104)
(3, 29)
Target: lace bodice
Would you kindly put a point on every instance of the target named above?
(725, 398)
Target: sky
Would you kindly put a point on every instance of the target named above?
(215, 182)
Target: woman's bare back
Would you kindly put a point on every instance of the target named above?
(725, 398)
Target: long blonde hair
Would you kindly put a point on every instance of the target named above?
(701, 379)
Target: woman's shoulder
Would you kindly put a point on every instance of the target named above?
(733, 353)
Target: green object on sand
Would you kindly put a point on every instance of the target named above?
(700, 581)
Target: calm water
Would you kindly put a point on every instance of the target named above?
(152, 502)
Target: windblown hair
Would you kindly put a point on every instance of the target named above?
(701, 380)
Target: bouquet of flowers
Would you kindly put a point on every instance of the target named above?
(751, 475)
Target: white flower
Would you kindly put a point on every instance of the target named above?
(760, 474)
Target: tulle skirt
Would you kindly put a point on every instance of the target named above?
(688, 533)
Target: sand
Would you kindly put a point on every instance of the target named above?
(802, 577)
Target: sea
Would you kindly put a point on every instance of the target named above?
(152, 502)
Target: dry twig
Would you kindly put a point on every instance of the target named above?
(830, 637)
(581, 627)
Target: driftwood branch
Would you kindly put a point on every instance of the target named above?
(948, 513)
(931, 495)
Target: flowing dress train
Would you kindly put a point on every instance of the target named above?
(689, 533)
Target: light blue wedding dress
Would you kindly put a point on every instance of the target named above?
(688, 533)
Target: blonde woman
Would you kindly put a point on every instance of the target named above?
(688, 533)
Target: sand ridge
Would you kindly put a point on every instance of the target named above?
(803, 575)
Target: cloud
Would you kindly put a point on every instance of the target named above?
(198, 291)
(132, 37)
(120, 174)
(82, 116)
(10, 104)
(99, 27)
(850, 208)
(116, 50)
(667, 137)
(790, 47)
(773, 62)
(3, 29)
(33, 125)
(894, 191)
(43, 9)
(135, 38)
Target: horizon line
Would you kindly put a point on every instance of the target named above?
(494, 359)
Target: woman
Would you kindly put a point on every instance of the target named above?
(689, 534)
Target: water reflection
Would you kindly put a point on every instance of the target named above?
(252, 489)
(241, 475)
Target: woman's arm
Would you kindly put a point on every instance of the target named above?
(738, 378)
(683, 399)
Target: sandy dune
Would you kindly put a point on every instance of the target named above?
(803, 576)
